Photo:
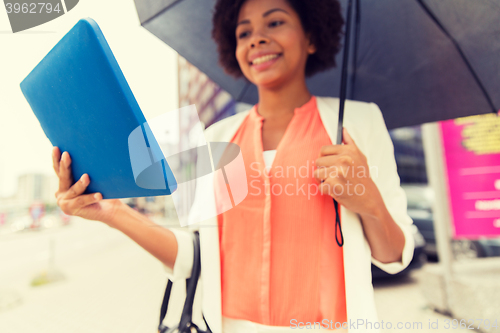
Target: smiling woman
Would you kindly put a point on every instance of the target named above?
(274, 44)
(278, 257)
(321, 20)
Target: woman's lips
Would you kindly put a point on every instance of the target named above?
(264, 62)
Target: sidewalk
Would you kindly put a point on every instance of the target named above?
(116, 289)
(400, 300)
(475, 294)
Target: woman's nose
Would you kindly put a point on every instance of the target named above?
(260, 41)
(257, 39)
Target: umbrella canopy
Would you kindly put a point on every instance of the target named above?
(419, 60)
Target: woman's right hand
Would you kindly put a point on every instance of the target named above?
(70, 198)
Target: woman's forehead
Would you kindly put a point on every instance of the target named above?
(258, 8)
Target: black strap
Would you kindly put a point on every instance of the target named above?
(337, 224)
(164, 304)
(185, 324)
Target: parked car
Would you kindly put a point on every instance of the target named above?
(419, 258)
(420, 198)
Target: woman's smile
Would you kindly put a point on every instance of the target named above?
(263, 62)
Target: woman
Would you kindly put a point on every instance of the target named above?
(273, 263)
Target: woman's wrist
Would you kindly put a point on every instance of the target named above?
(121, 213)
(373, 202)
(159, 241)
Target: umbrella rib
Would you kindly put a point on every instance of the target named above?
(160, 12)
(460, 52)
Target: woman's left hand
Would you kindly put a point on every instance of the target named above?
(344, 174)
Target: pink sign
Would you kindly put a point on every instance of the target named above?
(472, 156)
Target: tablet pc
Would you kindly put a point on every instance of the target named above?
(85, 107)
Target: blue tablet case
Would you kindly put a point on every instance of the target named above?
(85, 107)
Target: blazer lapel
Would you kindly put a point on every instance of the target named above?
(351, 226)
(209, 240)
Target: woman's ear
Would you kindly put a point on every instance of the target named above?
(311, 48)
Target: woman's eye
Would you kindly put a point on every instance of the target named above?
(243, 34)
(275, 23)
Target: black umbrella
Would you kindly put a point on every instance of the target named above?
(419, 60)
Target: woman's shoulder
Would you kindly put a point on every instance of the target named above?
(351, 105)
(358, 113)
(225, 127)
(363, 120)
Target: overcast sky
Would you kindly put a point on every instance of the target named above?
(149, 66)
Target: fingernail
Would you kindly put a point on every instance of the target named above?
(96, 196)
(82, 178)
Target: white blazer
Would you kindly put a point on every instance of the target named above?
(366, 125)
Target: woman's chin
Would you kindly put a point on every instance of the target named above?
(269, 80)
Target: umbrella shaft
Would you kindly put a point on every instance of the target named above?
(343, 81)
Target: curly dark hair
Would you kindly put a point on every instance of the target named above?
(322, 19)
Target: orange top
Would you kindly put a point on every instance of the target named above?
(279, 257)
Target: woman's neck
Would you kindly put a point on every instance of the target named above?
(279, 102)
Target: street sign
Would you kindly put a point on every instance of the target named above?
(471, 149)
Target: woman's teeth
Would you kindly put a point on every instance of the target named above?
(265, 58)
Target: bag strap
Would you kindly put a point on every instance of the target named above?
(185, 324)
(164, 303)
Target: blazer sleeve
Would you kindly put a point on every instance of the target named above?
(185, 254)
(384, 173)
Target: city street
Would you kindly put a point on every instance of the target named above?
(113, 285)
(110, 285)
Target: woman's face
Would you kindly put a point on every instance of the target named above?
(271, 46)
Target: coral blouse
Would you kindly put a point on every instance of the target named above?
(280, 262)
